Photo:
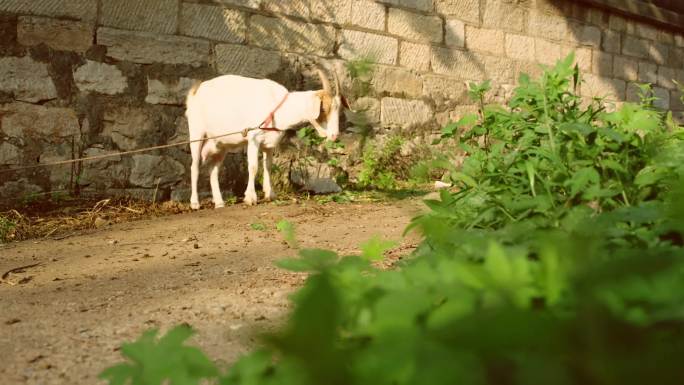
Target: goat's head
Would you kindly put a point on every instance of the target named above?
(331, 106)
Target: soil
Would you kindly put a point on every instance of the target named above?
(63, 320)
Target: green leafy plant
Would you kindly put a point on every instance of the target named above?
(559, 261)
(378, 165)
(258, 226)
(287, 229)
(7, 229)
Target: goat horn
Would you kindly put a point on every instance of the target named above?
(338, 86)
(324, 81)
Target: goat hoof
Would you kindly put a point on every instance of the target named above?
(269, 197)
(194, 205)
(250, 202)
(219, 205)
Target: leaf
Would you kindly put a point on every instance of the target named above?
(258, 226)
(582, 179)
(287, 229)
(312, 260)
(374, 248)
(529, 167)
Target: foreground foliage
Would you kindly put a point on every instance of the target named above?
(558, 260)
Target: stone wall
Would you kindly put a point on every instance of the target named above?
(88, 77)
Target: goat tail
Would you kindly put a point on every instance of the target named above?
(196, 126)
(192, 92)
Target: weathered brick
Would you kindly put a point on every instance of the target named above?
(9, 154)
(421, 5)
(397, 81)
(675, 58)
(520, 47)
(583, 34)
(666, 37)
(291, 36)
(338, 12)
(125, 126)
(466, 10)
(246, 61)
(100, 77)
(414, 56)
(618, 23)
(485, 40)
(381, 49)
(404, 113)
(547, 26)
(658, 52)
(500, 14)
(679, 40)
(625, 68)
(20, 120)
(445, 91)
(472, 66)
(602, 63)
(78, 9)
(633, 46)
(455, 33)
(648, 73)
(546, 52)
(27, 79)
(667, 77)
(597, 86)
(368, 14)
(646, 31)
(299, 8)
(676, 103)
(149, 15)
(60, 35)
(164, 92)
(413, 26)
(583, 57)
(146, 47)
(611, 41)
(155, 170)
(662, 98)
(254, 4)
(215, 23)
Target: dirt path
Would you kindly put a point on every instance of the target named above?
(61, 322)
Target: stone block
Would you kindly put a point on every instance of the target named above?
(76, 9)
(583, 34)
(253, 4)
(369, 108)
(675, 58)
(617, 23)
(100, 77)
(547, 26)
(658, 52)
(546, 52)
(147, 48)
(646, 31)
(647, 73)
(611, 41)
(414, 56)
(634, 46)
(246, 61)
(456, 63)
(667, 77)
(602, 63)
(397, 81)
(445, 91)
(152, 170)
(583, 57)
(338, 12)
(125, 126)
(26, 79)
(676, 103)
(150, 15)
(598, 86)
(368, 14)
(291, 36)
(61, 35)
(173, 93)
(414, 26)
(466, 10)
(454, 33)
(485, 40)
(299, 8)
(215, 23)
(679, 40)
(505, 15)
(520, 47)
(381, 49)
(404, 113)
(52, 124)
(421, 5)
(662, 98)
(625, 68)
(9, 154)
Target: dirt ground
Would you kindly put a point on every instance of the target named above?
(62, 321)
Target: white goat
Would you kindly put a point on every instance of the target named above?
(231, 104)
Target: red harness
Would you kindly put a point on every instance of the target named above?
(269, 119)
